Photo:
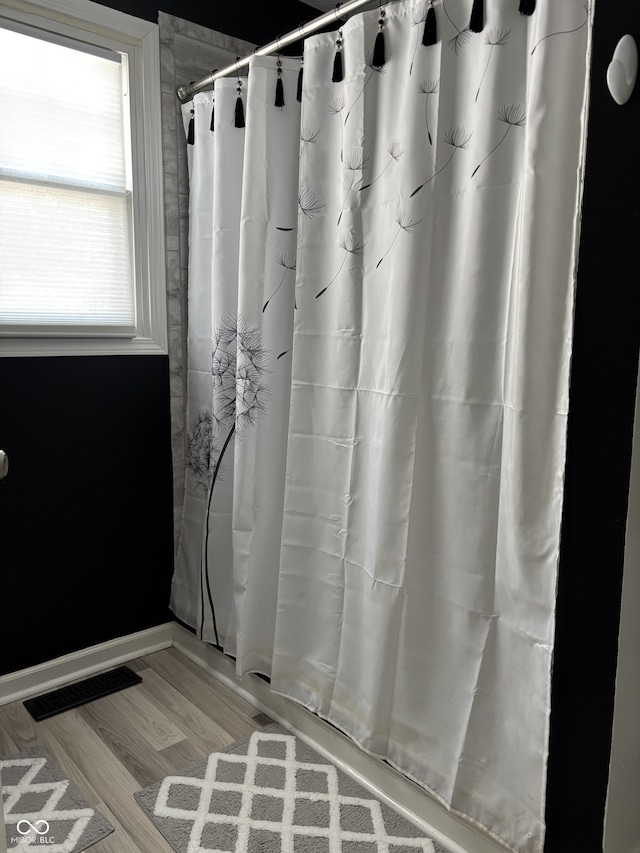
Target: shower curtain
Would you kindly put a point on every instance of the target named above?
(380, 322)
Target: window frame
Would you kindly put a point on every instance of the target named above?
(86, 21)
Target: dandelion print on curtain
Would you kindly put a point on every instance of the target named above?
(429, 396)
(242, 246)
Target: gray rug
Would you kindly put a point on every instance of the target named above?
(271, 793)
(43, 809)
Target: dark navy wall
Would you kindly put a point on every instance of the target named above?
(86, 511)
(602, 398)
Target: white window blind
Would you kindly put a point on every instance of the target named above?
(66, 229)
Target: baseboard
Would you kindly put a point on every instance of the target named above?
(383, 781)
(71, 667)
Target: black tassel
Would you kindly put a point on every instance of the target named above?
(476, 23)
(299, 92)
(279, 87)
(430, 35)
(338, 71)
(378, 59)
(191, 134)
(527, 7)
(239, 122)
(239, 117)
(213, 112)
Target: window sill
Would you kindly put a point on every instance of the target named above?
(78, 347)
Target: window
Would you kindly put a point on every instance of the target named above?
(81, 248)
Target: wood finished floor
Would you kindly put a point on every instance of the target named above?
(117, 745)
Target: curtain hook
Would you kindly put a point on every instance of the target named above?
(213, 101)
(239, 113)
(279, 101)
(378, 60)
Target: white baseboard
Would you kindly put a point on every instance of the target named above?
(50, 674)
(383, 781)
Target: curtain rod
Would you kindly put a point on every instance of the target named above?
(341, 9)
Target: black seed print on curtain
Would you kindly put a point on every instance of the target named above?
(335, 109)
(585, 6)
(351, 245)
(428, 87)
(494, 38)
(238, 369)
(417, 25)
(200, 449)
(354, 163)
(287, 260)
(308, 136)
(373, 70)
(462, 36)
(395, 153)
(309, 205)
(406, 223)
(513, 116)
(458, 138)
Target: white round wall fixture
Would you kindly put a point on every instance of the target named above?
(623, 70)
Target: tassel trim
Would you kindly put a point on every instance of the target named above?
(191, 133)
(338, 69)
(279, 102)
(299, 90)
(239, 116)
(430, 34)
(379, 57)
(476, 22)
(213, 105)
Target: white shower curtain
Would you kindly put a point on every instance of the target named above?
(242, 261)
(388, 546)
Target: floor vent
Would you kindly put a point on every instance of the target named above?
(74, 695)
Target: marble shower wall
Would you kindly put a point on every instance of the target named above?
(187, 52)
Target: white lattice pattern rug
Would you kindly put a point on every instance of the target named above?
(270, 793)
(43, 809)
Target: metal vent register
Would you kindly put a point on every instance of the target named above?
(74, 695)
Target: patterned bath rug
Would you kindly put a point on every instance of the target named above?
(271, 793)
(43, 810)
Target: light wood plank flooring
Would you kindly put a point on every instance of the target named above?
(117, 745)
